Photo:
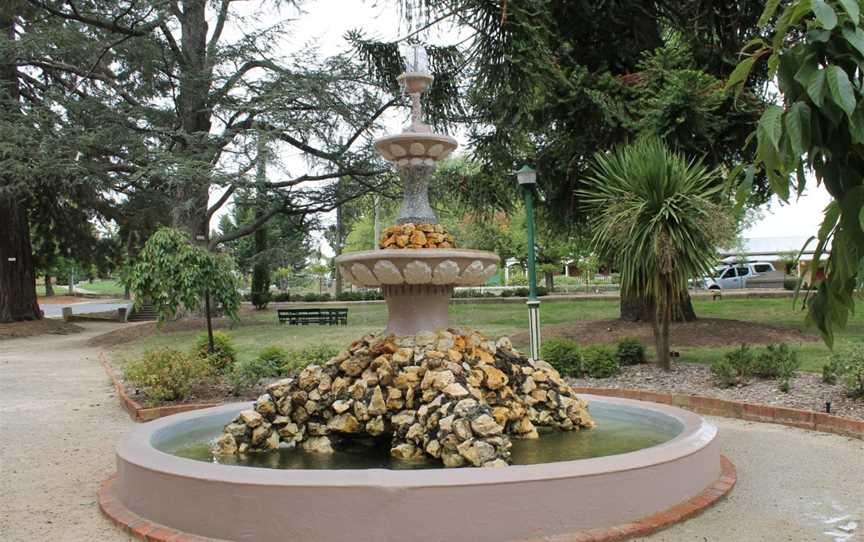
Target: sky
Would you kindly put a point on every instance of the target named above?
(325, 22)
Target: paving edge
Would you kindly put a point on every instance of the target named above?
(712, 406)
(137, 412)
(143, 529)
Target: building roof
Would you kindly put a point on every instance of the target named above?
(770, 246)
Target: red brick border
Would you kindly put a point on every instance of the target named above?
(143, 529)
(805, 419)
(137, 412)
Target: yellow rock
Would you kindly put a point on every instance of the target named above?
(495, 378)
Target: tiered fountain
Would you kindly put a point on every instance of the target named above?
(350, 449)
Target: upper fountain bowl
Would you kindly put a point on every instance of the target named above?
(436, 266)
(415, 148)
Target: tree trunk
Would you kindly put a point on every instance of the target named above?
(49, 288)
(638, 310)
(17, 274)
(190, 214)
(549, 278)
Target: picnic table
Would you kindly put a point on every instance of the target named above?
(302, 317)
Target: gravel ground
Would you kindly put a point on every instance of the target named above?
(808, 391)
(61, 420)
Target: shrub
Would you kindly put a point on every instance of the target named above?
(777, 361)
(849, 369)
(166, 374)
(563, 354)
(281, 297)
(246, 374)
(297, 359)
(832, 370)
(734, 368)
(630, 351)
(223, 356)
(600, 361)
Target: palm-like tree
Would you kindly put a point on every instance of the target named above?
(659, 219)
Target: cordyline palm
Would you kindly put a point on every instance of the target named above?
(656, 218)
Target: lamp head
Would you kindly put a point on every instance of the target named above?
(526, 176)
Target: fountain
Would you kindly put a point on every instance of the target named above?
(353, 448)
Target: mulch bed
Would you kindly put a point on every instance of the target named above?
(211, 391)
(33, 328)
(702, 332)
(808, 391)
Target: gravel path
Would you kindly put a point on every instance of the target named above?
(60, 421)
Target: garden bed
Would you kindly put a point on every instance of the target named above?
(702, 332)
(32, 328)
(808, 392)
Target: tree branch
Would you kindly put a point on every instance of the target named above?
(105, 24)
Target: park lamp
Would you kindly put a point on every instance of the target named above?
(527, 178)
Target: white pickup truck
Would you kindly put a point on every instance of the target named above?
(732, 276)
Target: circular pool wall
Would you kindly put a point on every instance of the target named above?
(513, 503)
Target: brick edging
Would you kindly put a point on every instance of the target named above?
(137, 412)
(149, 531)
(712, 406)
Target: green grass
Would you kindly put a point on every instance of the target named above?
(99, 286)
(496, 319)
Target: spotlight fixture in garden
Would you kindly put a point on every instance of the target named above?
(527, 178)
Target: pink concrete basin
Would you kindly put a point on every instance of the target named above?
(513, 503)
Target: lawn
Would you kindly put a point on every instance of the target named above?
(496, 319)
(99, 286)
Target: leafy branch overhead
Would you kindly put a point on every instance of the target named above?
(817, 56)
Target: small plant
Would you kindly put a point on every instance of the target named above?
(734, 368)
(166, 374)
(777, 361)
(832, 370)
(600, 362)
(223, 356)
(848, 368)
(270, 363)
(563, 354)
(630, 351)
(297, 359)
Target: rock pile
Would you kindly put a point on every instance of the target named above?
(452, 395)
(417, 236)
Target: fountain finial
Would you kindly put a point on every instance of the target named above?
(414, 81)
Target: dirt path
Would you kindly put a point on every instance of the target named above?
(60, 420)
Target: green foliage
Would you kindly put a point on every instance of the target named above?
(247, 373)
(816, 52)
(777, 361)
(630, 351)
(734, 368)
(848, 368)
(166, 374)
(659, 219)
(297, 359)
(222, 359)
(600, 361)
(172, 273)
(563, 354)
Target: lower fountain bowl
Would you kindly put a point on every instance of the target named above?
(375, 504)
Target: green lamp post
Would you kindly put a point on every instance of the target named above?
(527, 178)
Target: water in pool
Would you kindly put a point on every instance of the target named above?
(620, 429)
